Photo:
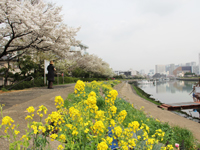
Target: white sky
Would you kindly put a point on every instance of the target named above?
(137, 34)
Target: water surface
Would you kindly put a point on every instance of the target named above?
(171, 92)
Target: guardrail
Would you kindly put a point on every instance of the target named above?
(21, 82)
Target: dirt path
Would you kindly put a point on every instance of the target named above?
(125, 91)
(17, 102)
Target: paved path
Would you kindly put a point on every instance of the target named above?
(17, 102)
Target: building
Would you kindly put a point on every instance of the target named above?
(151, 72)
(133, 72)
(142, 72)
(160, 69)
(182, 70)
(126, 73)
(171, 69)
(188, 64)
(195, 69)
(193, 63)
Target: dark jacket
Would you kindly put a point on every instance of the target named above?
(50, 75)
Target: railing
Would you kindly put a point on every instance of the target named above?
(21, 82)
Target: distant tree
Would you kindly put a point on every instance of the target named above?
(189, 74)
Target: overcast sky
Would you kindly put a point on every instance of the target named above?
(137, 34)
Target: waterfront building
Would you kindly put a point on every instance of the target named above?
(180, 71)
(171, 69)
(188, 64)
(126, 73)
(195, 69)
(167, 67)
(193, 63)
(133, 72)
(151, 73)
(160, 69)
(142, 72)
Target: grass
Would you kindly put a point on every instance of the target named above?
(144, 95)
(172, 134)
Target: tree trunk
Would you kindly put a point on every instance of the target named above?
(6, 76)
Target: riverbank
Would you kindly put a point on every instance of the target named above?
(189, 79)
(152, 110)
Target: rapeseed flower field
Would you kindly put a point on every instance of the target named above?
(89, 119)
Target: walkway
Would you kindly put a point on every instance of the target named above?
(17, 102)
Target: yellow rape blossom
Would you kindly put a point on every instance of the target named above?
(134, 126)
(24, 137)
(59, 102)
(7, 121)
(30, 109)
(102, 146)
(74, 132)
(86, 130)
(118, 131)
(80, 86)
(53, 137)
(60, 147)
(62, 138)
(98, 127)
(16, 132)
(42, 128)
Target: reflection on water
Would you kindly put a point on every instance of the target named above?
(171, 92)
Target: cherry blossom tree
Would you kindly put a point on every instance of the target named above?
(93, 65)
(32, 25)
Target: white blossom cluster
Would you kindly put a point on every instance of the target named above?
(33, 25)
(89, 63)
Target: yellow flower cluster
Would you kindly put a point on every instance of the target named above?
(30, 109)
(74, 113)
(102, 146)
(53, 136)
(100, 115)
(122, 116)
(7, 121)
(159, 134)
(84, 122)
(80, 86)
(133, 126)
(60, 147)
(168, 147)
(98, 127)
(110, 99)
(59, 102)
(42, 109)
(55, 117)
(118, 131)
(91, 102)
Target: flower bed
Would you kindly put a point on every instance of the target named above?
(93, 117)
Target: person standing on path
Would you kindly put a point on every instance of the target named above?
(50, 76)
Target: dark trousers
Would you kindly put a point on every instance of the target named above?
(50, 84)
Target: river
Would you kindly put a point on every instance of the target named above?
(171, 92)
